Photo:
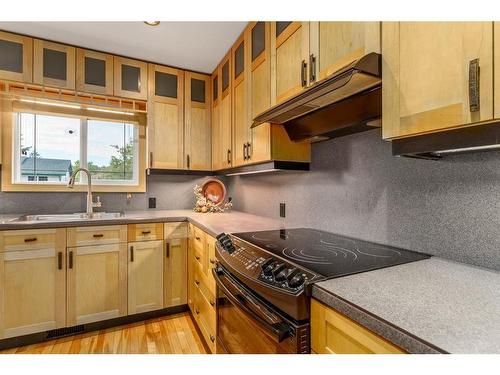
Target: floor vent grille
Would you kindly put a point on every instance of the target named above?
(60, 332)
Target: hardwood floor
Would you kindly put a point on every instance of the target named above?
(174, 334)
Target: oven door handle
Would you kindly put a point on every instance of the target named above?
(279, 330)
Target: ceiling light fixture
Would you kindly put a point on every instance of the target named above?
(152, 23)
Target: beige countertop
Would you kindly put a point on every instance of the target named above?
(213, 223)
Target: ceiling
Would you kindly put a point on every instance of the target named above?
(195, 46)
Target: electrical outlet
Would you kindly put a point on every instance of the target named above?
(282, 210)
(152, 202)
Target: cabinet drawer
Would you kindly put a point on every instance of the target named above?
(199, 239)
(85, 236)
(206, 318)
(334, 333)
(176, 230)
(145, 232)
(16, 240)
(206, 284)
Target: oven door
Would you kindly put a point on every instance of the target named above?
(246, 324)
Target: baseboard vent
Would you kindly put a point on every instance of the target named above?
(60, 332)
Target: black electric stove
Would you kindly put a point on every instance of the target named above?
(327, 254)
(282, 265)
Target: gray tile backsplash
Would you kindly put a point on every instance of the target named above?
(171, 192)
(449, 208)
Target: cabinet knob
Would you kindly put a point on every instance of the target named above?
(197, 282)
(212, 303)
(212, 338)
(212, 261)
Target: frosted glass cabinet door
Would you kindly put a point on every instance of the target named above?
(94, 72)
(16, 57)
(130, 78)
(54, 64)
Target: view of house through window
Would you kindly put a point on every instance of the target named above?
(49, 148)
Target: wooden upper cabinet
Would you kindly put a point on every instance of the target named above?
(240, 119)
(334, 45)
(496, 68)
(54, 64)
(16, 57)
(260, 89)
(429, 76)
(217, 152)
(197, 102)
(166, 114)
(130, 78)
(290, 52)
(94, 72)
(225, 137)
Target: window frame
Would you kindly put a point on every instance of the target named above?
(8, 152)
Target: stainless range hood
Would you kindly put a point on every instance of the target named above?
(347, 102)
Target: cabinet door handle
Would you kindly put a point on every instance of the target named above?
(474, 102)
(188, 161)
(59, 260)
(244, 151)
(131, 253)
(198, 238)
(144, 232)
(228, 156)
(212, 338)
(32, 239)
(249, 154)
(197, 257)
(212, 303)
(151, 159)
(167, 251)
(197, 311)
(70, 260)
(303, 73)
(312, 68)
(212, 261)
(197, 282)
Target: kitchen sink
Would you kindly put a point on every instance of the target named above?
(68, 217)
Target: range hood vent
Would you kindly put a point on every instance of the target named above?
(434, 146)
(338, 105)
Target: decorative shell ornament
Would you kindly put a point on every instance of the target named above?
(210, 197)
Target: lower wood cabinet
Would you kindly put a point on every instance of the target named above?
(97, 283)
(201, 284)
(145, 276)
(175, 265)
(334, 333)
(32, 281)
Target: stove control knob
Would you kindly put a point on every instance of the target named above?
(296, 280)
(268, 267)
(278, 269)
(281, 276)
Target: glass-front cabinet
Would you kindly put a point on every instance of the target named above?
(130, 78)
(94, 72)
(16, 57)
(54, 64)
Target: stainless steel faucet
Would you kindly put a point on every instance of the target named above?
(90, 203)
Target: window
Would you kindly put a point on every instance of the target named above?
(48, 149)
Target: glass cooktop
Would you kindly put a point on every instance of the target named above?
(327, 254)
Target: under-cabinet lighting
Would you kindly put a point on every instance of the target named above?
(252, 172)
(467, 149)
(110, 111)
(51, 104)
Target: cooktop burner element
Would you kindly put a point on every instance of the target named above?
(328, 254)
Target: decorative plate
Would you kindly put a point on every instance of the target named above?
(214, 190)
